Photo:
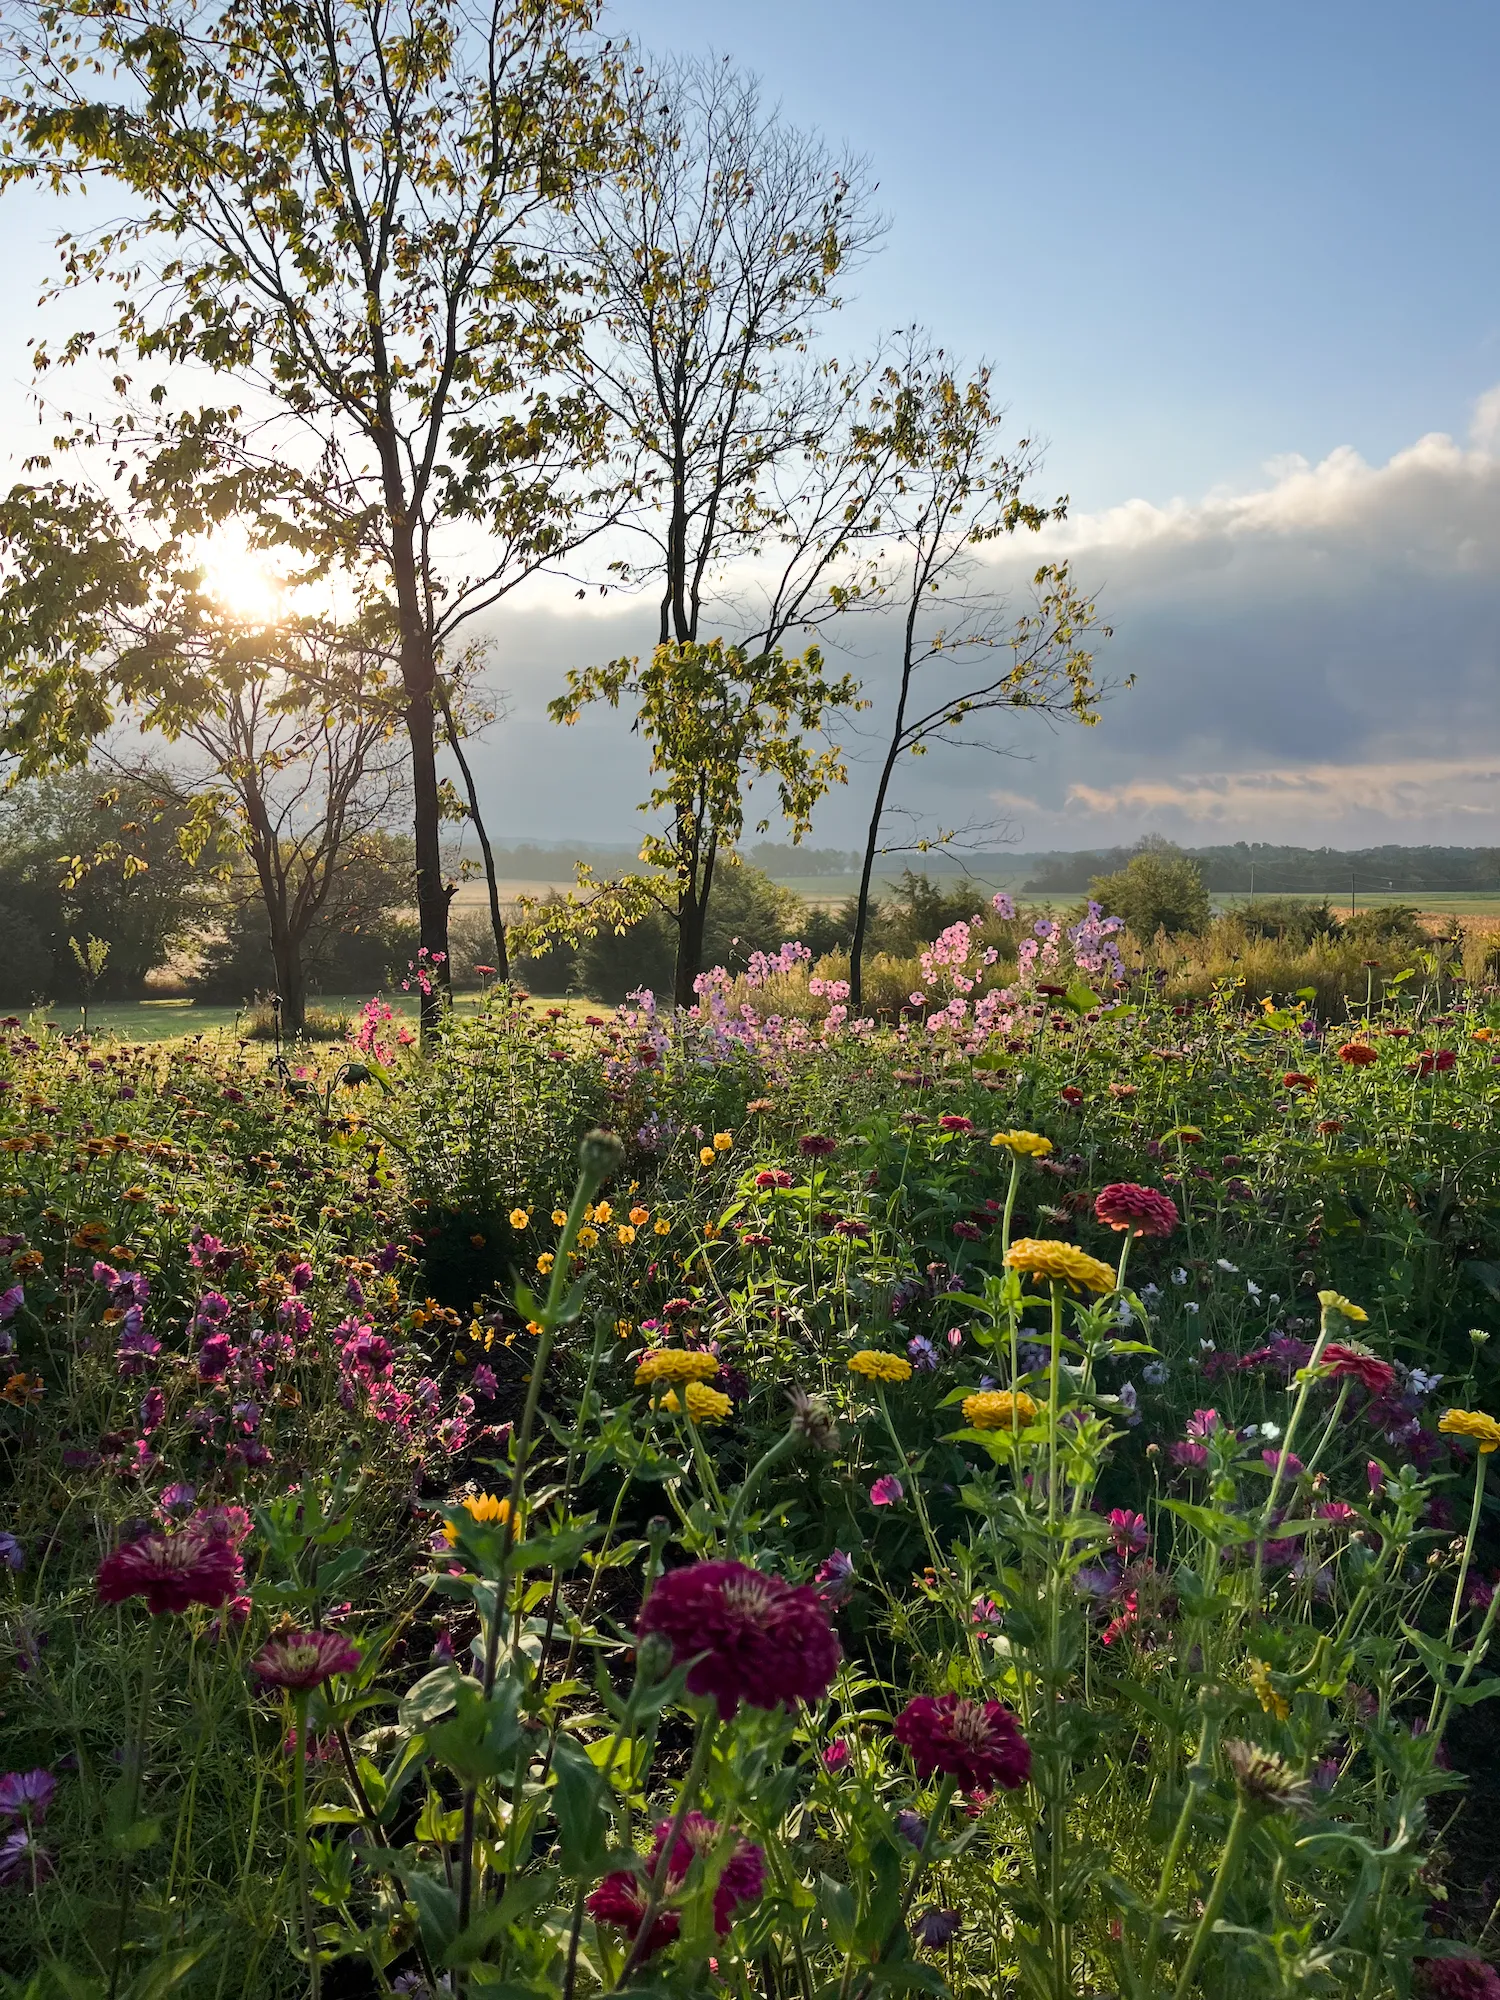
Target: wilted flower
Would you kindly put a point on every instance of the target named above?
(764, 1641)
(812, 1420)
(935, 1928)
(1266, 1781)
(978, 1742)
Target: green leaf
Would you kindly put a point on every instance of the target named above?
(434, 1695)
(1218, 1527)
(580, 1801)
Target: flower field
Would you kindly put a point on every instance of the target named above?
(751, 1503)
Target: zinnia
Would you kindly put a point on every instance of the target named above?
(763, 1640)
(1472, 1424)
(1358, 1054)
(998, 1409)
(1126, 1205)
(301, 1660)
(1358, 1364)
(878, 1367)
(621, 1898)
(1064, 1262)
(978, 1742)
(1025, 1145)
(172, 1571)
(675, 1364)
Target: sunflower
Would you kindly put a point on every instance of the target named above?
(489, 1510)
(1041, 1257)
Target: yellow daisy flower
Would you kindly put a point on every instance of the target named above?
(519, 1217)
(624, 1234)
(488, 1509)
(587, 1238)
(545, 1262)
(1485, 1431)
(878, 1367)
(706, 1157)
(1044, 1258)
(662, 1227)
(603, 1214)
(559, 1217)
(723, 1141)
(1335, 1302)
(1025, 1145)
(674, 1364)
(997, 1409)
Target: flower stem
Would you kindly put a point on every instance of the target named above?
(135, 1767)
(299, 1808)
(1223, 1875)
(660, 1874)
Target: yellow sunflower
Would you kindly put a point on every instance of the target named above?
(488, 1509)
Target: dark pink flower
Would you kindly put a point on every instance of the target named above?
(1458, 1979)
(1128, 1531)
(620, 1900)
(172, 1571)
(1344, 1358)
(951, 1121)
(815, 1146)
(834, 1578)
(302, 1660)
(763, 1640)
(887, 1491)
(1141, 1210)
(742, 1880)
(978, 1742)
(773, 1177)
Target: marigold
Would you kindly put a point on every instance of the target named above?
(706, 1156)
(723, 1141)
(1065, 1262)
(624, 1235)
(1485, 1431)
(674, 1364)
(1335, 1302)
(878, 1367)
(1023, 1145)
(545, 1262)
(559, 1217)
(661, 1227)
(998, 1409)
(639, 1217)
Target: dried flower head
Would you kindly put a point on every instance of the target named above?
(812, 1420)
(1267, 1782)
(1063, 1263)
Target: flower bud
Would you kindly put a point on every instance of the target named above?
(600, 1155)
(653, 1658)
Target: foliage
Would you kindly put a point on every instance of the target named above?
(1287, 919)
(1155, 891)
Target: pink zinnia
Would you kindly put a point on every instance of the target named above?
(302, 1660)
(1128, 1531)
(764, 1641)
(1141, 1210)
(1360, 1365)
(621, 1898)
(815, 1146)
(978, 1742)
(172, 1571)
(1458, 1979)
(952, 1122)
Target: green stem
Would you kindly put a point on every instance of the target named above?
(135, 1767)
(304, 1891)
(933, 1553)
(753, 1478)
(1195, 1790)
(1279, 1475)
(1223, 1875)
(685, 1797)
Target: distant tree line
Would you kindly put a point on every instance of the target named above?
(1267, 868)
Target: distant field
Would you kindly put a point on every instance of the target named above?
(1436, 902)
(172, 1020)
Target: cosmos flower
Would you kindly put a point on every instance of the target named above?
(834, 1578)
(764, 1641)
(26, 1795)
(978, 1742)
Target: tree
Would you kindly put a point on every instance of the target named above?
(717, 719)
(956, 491)
(1158, 890)
(349, 211)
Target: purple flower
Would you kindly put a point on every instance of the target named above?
(834, 1578)
(12, 1555)
(911, 1827)
(26, 1795)
(887, 1491)
(177, 1499)
(484, 1380)
(836, 1755)
(215, 1356)
(22, 1862)
(153, 1409)
(11, 1302)
(936, 1928)
(302, 1277)
(923, 1353)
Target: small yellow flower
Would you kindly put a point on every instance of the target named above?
(603, 1214)
(1044, 1258)
(545, 1262)
(668, 1401)
(624, 1327)
(674, 1364)
(662, 1227)
(1335, 1302)
(705, 1405)
(1272, 1702)
(998, 1409)
(1484, 1034)
(640, 1217)
(519, 1217)
(559, 1217)
(706, 1157)
(723, 1141)
(624, 1234)
(488, 1509)
(876, 1366)
(587, 1238)
(1484, 1430)
(1025, 1145)
(534, 1326)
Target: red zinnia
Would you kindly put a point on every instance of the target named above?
(1344, 1358)
(952, 1122)
(304, 1659)
(620, 1899)
(1141, 1210)
(978, 1742)
(1357, 1054)
(815, 1146)
(1296, 1080)
(172, 1571)
(1071, 1094)
(763, 1640)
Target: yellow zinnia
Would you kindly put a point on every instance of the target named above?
(705, 1405)
(1484, 1430)
(1029, 1145)
(878, 1367)
(723, 1141)
(706, 1156)
(1335, 1302)
(674, 1364)
(997, 1409)
(488, 1509)
(1045, 1258)
(519, 1218)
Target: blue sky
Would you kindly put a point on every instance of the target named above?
(1240, 267)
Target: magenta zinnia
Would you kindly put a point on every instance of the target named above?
(763, 1640)
(172, 1571)
(302, 1660)
(978, 1742)
(1141, 1210)
(621, 1898)
(1344, 1358)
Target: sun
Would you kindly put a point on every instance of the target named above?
(242, 581)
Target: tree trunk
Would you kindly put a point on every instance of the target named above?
(862, 912)
(692, 920)
(291, 981)
(497, 921)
